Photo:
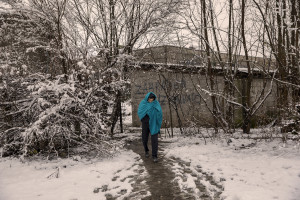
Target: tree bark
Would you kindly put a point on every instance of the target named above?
(209, 66)
(246, 99)
(294, 50)
(282, 66)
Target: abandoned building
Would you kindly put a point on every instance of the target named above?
(177, 76)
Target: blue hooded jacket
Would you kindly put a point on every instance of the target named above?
(153, 110)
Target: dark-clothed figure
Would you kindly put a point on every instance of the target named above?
(150, 114)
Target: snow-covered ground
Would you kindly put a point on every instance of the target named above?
(66, 179)
(247, 170)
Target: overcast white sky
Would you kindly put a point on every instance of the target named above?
(186, 39)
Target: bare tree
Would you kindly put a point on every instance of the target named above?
(238, 45)
(115, 27)
(54, 11)
(284, 47)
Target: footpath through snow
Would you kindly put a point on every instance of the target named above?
(242, 169)
(172, 178)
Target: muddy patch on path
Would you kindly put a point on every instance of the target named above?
(173, 178)
(160, 178)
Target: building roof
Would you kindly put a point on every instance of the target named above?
(168, 54)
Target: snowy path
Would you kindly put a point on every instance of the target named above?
(160, 178)
(163, 183)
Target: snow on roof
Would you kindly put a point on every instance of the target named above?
(219, 68)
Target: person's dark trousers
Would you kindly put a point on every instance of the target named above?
(154, 142)
(145, 136)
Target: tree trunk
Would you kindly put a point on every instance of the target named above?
(294, 50)
(116, 113)
(246, 99)
(282, 66)
(228, 73)
(209, 66)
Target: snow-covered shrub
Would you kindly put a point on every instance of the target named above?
(291, 124)
(52, 97)
(46, 115)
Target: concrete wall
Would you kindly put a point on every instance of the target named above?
(178, 85)
(181, 87)
(269, 105)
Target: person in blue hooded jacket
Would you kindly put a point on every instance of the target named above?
(150, 114)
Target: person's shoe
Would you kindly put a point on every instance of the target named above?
(155, 159)
(147, 154)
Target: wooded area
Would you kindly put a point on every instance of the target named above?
(63, 64)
